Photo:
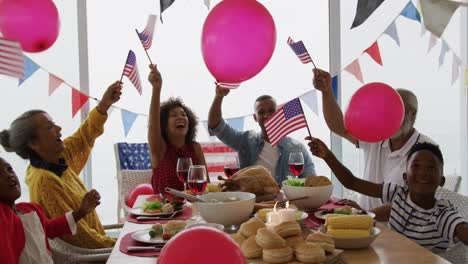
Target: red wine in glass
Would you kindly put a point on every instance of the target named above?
(229, 171)
(183, 175)
(197, 186)
(296, 168)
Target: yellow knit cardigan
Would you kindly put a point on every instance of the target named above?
(59, 195)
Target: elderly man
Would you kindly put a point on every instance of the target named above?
(254, 148)
(383, 161)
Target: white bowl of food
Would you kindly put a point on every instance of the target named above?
(318, 194)
(226, 208)
(353, 242)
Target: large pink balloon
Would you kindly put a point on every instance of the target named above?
(201, 245)
(375, 113)
(140, 189)
(238, 40)
(33, 23)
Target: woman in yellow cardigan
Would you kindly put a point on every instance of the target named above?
(53, 174)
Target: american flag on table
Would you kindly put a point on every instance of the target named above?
(146, 37)
(300, 50)
(131, 71)
(287, 119)
(11, 58)
(226, 85)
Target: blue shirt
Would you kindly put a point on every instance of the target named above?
(249, 145)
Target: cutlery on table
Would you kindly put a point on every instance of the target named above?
(157, 217)
(155, 247)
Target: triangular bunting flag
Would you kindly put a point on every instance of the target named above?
(443, 51)
(128, 118)
(236, 123)
(411, 12)
(374, 52)
(165, 4)
(310, 99)
(432, 42)
(393, 33)
(207, 4)
(54, 83)
(355, 69)
(364, 10)
(78, 100)
(30, 67)
(437, 14)
(335, 86)
(455, 69)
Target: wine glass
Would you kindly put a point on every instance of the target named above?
(296, 163)
(231, 165)
(183, 166)
(197, 179)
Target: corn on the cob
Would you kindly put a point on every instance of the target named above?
(349, 222)
(348, 233)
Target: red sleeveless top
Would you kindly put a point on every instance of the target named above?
(165, 175)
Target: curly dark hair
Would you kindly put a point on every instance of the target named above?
(426, 146)
(164, 111)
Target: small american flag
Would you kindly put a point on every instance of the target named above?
(146, 37)
(131, 71)
(11, 58)
(226, 85)
(287, 119)
(300, 50)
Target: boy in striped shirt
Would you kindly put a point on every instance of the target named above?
(415, 212)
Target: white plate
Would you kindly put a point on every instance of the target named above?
(319, 214)
(304, 215)
(139, 211)
(143, 236)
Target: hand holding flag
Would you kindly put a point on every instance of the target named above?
(300, 51)
(131, 71)
(287, 119)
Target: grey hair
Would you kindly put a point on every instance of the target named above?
(409, 100)
(17, 138)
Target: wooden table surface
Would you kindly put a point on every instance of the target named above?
(389, 247)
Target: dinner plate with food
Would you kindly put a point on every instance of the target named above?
(159, 233)
(346, 210)
(158, 208)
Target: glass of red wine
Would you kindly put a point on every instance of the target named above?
(183, 166)
(231, 165)
(197, 179)
(296, 163)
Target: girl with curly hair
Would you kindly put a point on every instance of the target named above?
(172, 130)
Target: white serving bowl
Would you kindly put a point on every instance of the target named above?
(318, 196)
(353, 243)
(226, 213)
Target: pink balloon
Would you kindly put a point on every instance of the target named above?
(141, 189)
(199, 245)
(238, 40)
(33, 23)
(375, 113)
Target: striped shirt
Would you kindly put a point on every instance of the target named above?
(433, 228)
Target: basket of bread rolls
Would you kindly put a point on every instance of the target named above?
(282, 243)
(350, 231)
(317, 188)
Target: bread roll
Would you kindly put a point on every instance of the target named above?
(287, 229)
(326, 242)
(316, 181)
(250, 227)
(250, 249)
(310, 253)
(268, 239)
(278, 255)
(175, 226)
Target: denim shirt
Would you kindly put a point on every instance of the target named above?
(249, 145)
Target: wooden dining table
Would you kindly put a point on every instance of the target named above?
(389, 247)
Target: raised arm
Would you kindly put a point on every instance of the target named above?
(331, 110)
(345, 176)
(157, 145)
(216, 115)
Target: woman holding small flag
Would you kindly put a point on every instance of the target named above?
(172, 130)
(55, 164)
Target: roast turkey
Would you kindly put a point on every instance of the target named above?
(253, 179)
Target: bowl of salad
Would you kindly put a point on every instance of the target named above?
(318, 193)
